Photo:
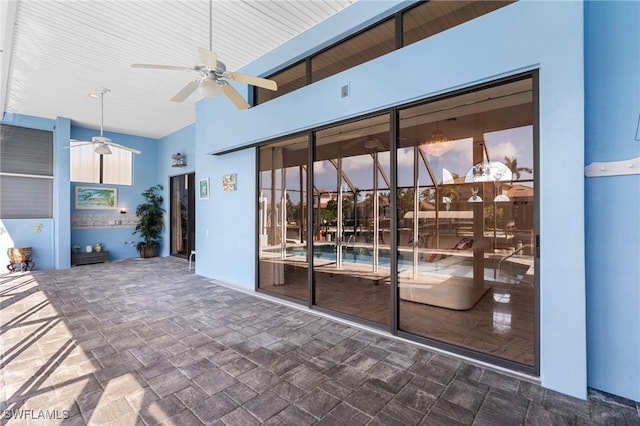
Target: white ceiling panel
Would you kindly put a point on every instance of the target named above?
(63, 50)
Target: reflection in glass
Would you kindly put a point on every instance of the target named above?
(351, 219)
(465, 225)
(372, 43)
(282, 210)
(182, 215)
(429, 18)
(288, 80)
(465, 221)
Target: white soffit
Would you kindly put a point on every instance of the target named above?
(62, 50)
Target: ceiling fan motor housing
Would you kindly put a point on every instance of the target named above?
(100, 139)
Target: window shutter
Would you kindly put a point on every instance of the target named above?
(25, 197)
(26, 173)
(84, 162)
(116, 168)
(26, 151)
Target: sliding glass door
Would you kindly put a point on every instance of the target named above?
(462, 245)
(351, 219)
(466, 270)
(182, 215)
(282, 212)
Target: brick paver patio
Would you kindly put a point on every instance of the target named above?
(140, 342)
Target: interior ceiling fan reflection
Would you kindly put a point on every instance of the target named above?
(213, 75)
(101, 142)
(368, 142)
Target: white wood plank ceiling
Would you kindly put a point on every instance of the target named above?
(54, 53)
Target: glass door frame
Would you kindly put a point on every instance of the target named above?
(393, 327)
(191, 214)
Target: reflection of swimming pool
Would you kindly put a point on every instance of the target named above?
(461, 266)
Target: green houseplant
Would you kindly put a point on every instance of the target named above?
(150, 221)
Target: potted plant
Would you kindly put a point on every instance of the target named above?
(150, 221)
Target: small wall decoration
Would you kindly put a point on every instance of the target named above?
(229, 182)
(204, 188)
(179, 160)
(96, 198)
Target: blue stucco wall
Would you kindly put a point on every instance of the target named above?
(182, 141)
(61, 195)
(145, 174)
(52, 245)
(505, 42)
(43, 235)
(35, 233)
(612, 204)
(225, 223)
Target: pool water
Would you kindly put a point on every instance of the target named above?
(452, 265)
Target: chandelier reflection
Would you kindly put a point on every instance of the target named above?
(437, 144)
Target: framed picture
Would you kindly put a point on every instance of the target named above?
(229, 182)
(204, 188)
(95, 198)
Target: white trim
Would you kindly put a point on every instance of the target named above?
(613, 168)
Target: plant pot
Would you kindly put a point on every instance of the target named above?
(147, 252)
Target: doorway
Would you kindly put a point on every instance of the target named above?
(182, 215)
(422, 220)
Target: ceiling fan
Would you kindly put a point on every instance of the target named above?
(213, 75)
(101, 142)
(368, 142)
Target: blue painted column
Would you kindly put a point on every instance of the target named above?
(61, 194)
(612, 203)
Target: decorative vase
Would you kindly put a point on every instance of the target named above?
(98, 247)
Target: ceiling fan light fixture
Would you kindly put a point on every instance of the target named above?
(372, 142)
(209, 88)
(103, 149)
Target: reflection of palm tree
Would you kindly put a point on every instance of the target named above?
(451, 191)
(367, 205)
(405, 201)
(512, 164)
(427, 195)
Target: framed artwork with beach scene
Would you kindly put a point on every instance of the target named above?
(96, 198)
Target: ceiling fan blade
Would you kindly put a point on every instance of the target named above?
(77, 143)
(186, 91)
(234, 96)
(126, 148)
(255, 81)
(351, 143)
(161, 67)
(208, 58)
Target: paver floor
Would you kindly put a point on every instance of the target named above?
(144, 342)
